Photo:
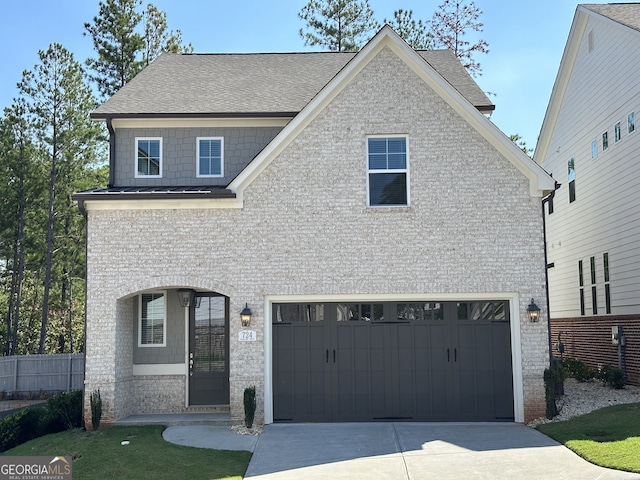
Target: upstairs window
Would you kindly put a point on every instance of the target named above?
(571, 177)
(151, 320)
(594, 149)
(616, 132)
(605, 141)
(148, 157)
(387, 171)
(631, 122)
(210, 157)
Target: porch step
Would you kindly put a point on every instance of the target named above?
(170, 419)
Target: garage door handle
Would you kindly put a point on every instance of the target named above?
(327, 356)
(448, 356)
(334, 356)
(455, 354)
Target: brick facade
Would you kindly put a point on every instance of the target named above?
(304, 229)
(589, 339)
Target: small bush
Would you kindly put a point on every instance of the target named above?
(249, 406)
(61, 412)
(578, 370)
(22, 426)
(612, 377)
(96, 409)
(67, 409)
(553, 382)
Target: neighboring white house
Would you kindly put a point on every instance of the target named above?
(385, 235)
(590, 144)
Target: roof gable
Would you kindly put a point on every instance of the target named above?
(540, 182)
(622, 15)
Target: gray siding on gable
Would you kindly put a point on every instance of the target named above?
(241, 145)
(173, 352)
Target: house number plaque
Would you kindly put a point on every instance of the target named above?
(247, 336)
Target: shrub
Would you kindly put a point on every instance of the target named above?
(578, 370)
(249, 406)
(553, 381)
(22, 426)
(61, 412)
(611, 376)
(96, 409)
(66, 409)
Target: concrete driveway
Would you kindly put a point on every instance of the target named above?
(417, 451)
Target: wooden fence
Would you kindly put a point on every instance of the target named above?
(22, 374)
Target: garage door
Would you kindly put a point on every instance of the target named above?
(392, 361)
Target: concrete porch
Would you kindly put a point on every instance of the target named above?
(172, 419)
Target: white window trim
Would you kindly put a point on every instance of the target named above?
(631, 114)
(594, 149)
(135, 166)
(617, 132)
(164, 323)
(400, 170)
(202, 175)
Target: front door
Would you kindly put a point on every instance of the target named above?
(209, 350)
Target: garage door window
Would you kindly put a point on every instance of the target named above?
(494, 311)
(306, 312)
(420, 312)
(366, 312)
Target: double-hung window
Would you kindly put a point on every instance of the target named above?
(387, 171)
(148, 157)
(210, 157)
(152, 325)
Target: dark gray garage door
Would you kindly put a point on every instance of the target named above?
(420, 361)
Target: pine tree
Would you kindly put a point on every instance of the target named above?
(59, 102)
(158, 38)
(415, 33)
(338, 25)
(117, 44)
(449, 25)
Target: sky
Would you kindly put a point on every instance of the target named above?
(526, 41)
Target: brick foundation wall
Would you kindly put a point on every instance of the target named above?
(589, 339)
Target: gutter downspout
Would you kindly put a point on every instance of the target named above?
(112, 152)
(83, 210)
(547, 199)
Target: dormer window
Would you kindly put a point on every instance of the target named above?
(148, 157)
(210, 157)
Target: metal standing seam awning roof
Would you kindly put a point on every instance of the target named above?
(152, 193)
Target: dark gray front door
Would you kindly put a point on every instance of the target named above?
(209, 350)
(423, 361)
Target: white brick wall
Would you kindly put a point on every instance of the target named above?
(305, 230)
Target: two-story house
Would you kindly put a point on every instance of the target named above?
(348, 232)
(590, 145)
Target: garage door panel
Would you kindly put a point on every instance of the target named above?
(440, 362)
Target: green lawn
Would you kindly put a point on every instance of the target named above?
(99, 455)
(609, 437)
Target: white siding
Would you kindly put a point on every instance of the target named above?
(603, 89)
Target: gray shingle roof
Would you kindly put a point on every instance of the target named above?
(625, 13)
(268, 84)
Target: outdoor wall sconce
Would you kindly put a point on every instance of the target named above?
(534, 312)
(245, 316)
(185, 295)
